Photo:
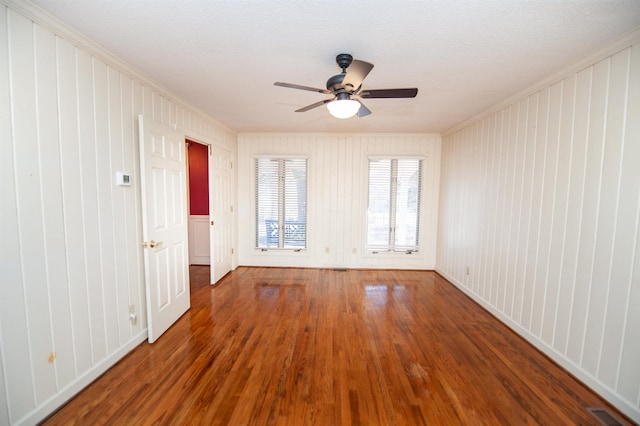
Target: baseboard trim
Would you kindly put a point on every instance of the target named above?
(56, 401)
(626, 407)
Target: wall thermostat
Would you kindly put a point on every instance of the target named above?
(123, 179)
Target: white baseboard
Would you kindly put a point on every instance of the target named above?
(68, 392)
(626, 407)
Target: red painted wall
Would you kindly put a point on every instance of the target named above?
(198, 178)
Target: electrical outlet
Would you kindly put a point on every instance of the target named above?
(133, 317)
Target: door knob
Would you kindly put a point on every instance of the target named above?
(152, 244)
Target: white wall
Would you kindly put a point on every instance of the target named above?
(71, 259)
(199, 240)
(539, 219)
(337, 197)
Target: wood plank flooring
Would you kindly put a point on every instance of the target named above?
(274, 346)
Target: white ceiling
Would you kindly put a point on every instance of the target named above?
(223, 56)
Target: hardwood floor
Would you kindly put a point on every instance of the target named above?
(325, 347)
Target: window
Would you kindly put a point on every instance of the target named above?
(393, 213)
(281, 203)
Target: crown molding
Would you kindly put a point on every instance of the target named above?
(610, 49)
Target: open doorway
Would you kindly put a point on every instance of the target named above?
(198, 203)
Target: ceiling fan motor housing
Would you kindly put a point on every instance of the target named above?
(335, 83)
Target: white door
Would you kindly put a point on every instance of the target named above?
(164, 225)
(220, 211)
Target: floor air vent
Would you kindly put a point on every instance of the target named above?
(604, 416)
(339, 269)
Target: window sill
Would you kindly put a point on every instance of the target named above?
(414, 253)
(272, 250)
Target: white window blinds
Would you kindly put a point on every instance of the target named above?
(393, 213)
(281, 203)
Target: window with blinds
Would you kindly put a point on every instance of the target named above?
(393, 213)
(281, 203)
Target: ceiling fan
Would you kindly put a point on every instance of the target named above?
(348, 85)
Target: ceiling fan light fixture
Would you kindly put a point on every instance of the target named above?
(343, 108)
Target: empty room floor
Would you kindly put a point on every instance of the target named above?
(287, 346)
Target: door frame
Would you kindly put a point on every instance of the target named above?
(210, 143)
(199, 221)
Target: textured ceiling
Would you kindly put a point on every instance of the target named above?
(464, 56)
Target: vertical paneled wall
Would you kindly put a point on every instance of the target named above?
(337, 197)
(71, 259)
(539, 221)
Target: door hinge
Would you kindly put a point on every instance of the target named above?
(231, 209)
(231, 251)
(210, 150)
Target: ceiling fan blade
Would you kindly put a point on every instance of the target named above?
(389, 93)
(300, 87)
(315, 105)
(356, 72)
(363, 111)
